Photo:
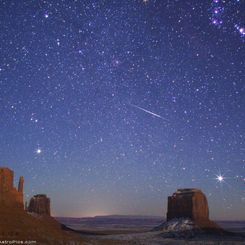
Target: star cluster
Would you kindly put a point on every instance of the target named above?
(229, 16)
(109, 106)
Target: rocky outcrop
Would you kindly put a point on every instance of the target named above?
(9, 195)
(39, 204)
(17, 224)
(188, 215)
(188, 203)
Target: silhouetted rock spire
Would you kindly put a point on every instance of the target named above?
(9, 196)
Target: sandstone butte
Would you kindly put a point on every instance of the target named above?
(192, 204)
(39, 204)
(18, 224)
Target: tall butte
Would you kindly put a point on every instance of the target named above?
(192, 204)
(9, 195)
(188, 203)
(18, 224)
(188, 215)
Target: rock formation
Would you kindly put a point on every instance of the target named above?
(9, 195)
(17, 224)
(188, 203)
(188, 215)
(39, 204)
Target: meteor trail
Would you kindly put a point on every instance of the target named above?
(149, 112)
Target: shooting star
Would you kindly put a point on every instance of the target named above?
(149, 112)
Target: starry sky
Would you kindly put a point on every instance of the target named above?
(109, 106)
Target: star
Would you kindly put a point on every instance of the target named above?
(220, 178)
(38, 151)
(242, 30)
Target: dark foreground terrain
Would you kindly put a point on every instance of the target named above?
(137, 230)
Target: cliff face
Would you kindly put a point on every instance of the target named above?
(188, 203)
(39, 204)
(9, 195)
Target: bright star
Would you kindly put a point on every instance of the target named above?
(220, 178)
(38, 151)
(242, 30)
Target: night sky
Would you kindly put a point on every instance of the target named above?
(109, 106)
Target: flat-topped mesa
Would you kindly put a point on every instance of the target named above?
(39, 204)
(188, 203)
(9, 195)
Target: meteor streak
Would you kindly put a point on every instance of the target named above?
(149, 112)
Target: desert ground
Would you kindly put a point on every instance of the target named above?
(138, 231)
